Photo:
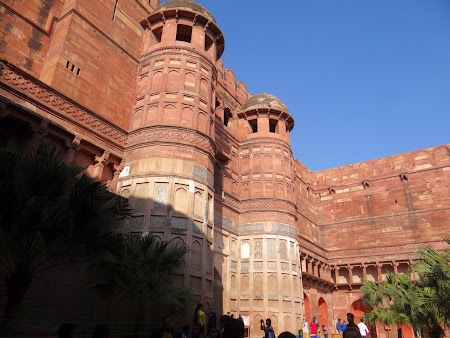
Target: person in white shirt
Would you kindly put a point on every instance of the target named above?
(363, 329)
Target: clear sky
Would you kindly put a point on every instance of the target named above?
(363, 79)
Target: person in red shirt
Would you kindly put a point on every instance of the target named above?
(314, 325)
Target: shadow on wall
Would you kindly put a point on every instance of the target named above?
(66, 294)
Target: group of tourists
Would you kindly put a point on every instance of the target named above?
(231, 327)
(352, 330)
(67, 330)
(312, 330)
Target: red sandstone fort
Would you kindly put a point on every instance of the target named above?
(135, 91)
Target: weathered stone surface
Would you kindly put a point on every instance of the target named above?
(127, 89)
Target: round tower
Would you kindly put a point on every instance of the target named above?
(169, 169)
(269, 276)
(267, 164)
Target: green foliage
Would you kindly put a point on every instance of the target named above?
(141, 272)
(50, 214)
(423, 304)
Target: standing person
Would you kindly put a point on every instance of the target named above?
(286, 334)
(234, 329)
(339, 326)
(325, 331)
(363, 329)
(299, 333)
(224, 320)
(211, 319)
(200, 316)
(101, 332)
(66, 330)
(344, 326)
(351, 320)
(268, 329)
(185, 331)
(240, 318)
(305, 328)
(167, 330)
(197, 330)
(314, 325)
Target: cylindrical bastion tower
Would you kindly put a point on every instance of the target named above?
(169, 167)
(269, 276)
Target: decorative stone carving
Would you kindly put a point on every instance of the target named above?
(258, 248)
(178, 223)
(197, 227)
(137, 221)
(271, 248)
(284, 229)
(257, 265)
(271, 265)
(283, 249)
(168, 134)
(160, 196)
(251, 228)
(157, 221)
(34, 88)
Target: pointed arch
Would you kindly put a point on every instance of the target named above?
(196, 255)
(137, 119)
(202, 122)
(187, 116)
(274, 320)
(198, 204)
(180, 204)
(172, 80)
(189, 81)
(157, 80)
(286, 286)
(233, 248)
(307, 308)
(272, 283)
(245, 286)
(169, 114)
(233, 285)
(323, 312)
(204, 91)
(288, 324)
(245, 250)
(258, 286)
(177, 241)
(152, 115)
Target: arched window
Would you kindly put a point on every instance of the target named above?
(245, 250)
(184, 33)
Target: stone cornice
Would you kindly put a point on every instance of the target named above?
(181, 48)
(395, 250)
(258, 140)
(14, 79)
(269, 204)
(185, 177)
(171, 134)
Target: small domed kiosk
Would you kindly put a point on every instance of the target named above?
(266, 115)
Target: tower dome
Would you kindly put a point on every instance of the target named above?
(271, 104)
(187, 14)
(188, 5)
(264, 100)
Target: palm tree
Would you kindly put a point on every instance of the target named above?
(388, 301)
(50, 215)
(433, 269)
(141, 274)
(423, 304)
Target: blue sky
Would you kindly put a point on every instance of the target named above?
(363, 79)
